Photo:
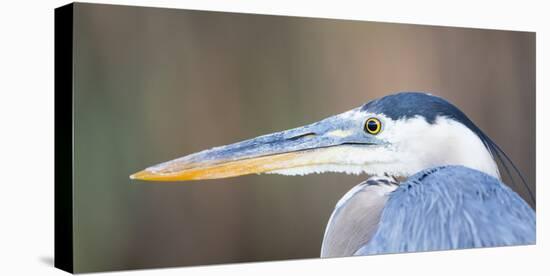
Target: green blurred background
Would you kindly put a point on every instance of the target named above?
(155, 84)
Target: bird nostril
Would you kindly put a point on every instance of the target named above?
(302, 136)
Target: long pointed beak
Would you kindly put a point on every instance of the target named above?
(301, 147)
(183, 169)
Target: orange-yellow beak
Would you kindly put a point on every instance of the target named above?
(313, 148)
(182, 170)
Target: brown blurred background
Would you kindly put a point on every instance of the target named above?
(155, 84)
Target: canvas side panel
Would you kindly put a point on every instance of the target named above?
(64, 138)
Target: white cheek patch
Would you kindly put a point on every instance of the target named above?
(423, 145)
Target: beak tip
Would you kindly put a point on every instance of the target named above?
(139, 175)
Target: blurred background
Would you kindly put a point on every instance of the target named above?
(155, 84)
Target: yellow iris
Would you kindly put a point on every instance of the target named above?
(373, 126)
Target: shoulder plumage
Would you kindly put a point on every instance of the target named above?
(451, 207)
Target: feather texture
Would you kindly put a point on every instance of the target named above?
(356, 216)
(451, 207)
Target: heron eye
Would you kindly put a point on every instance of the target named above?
(373, 126)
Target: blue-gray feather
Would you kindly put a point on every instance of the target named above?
(356, 216)
(451, 207)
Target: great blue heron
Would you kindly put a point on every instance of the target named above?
(451, 196)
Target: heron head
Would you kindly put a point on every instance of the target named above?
(397, 135)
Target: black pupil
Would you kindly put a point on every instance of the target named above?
(372, 125)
